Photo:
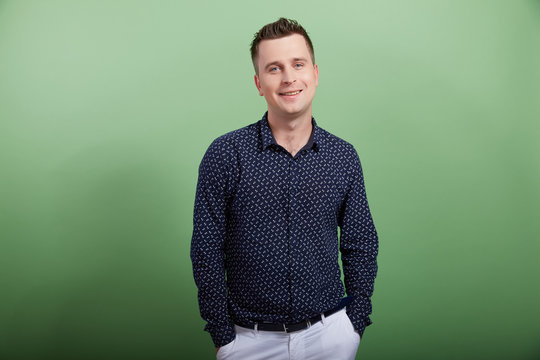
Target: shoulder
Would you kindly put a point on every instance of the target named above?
(233, 137)
(337, 146)
(226, 146)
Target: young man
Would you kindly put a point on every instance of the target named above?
(270, 197)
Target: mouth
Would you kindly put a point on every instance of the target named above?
(290, 93)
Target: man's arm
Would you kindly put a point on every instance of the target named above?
(208, 240)
(359, 247)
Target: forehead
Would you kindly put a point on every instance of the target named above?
(282, 49)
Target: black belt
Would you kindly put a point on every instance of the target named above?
(299, 325)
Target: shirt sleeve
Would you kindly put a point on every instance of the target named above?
(359, 247)
(207, 243)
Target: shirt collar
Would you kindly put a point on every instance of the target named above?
(268, 138)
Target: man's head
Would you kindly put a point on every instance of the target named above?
(281, 28)
(286, 74)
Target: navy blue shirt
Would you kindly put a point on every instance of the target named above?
(265, 231)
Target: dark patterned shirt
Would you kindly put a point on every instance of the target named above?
(265, 231)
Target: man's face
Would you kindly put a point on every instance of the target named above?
(287, 76)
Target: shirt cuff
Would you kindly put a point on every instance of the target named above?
(360, 323)
(221, 335)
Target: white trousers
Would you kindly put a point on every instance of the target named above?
(332, 338)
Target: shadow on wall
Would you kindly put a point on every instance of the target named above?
(121, 283)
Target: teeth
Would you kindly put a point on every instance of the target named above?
(291, 93)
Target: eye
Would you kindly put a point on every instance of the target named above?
(273, 69)
(298, 65)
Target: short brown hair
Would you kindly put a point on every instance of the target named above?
(276, 30)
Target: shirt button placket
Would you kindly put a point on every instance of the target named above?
(293, 169)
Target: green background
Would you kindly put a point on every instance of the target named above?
(107, 107)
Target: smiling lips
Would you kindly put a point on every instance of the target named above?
(290, 93)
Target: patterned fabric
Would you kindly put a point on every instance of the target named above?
(265, 242)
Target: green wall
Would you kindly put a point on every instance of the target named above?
(107, 107)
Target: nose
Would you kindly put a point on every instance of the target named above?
(288, 76)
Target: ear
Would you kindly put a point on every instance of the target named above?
(316, 74)
(258, 84)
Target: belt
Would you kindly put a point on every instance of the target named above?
(299, 325)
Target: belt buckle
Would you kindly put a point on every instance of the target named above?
(306, 322)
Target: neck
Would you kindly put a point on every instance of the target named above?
(291, 133)
(290, 124)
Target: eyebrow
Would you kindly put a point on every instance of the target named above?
(279, 63)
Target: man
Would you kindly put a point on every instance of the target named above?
(270, 198)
